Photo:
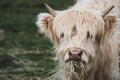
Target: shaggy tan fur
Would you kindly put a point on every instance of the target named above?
(82, 26)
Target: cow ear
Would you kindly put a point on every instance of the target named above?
(44, 21)
(110, 22)
(45, 26)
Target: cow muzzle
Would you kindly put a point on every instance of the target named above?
(76, 54)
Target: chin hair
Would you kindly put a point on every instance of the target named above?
(69, 71)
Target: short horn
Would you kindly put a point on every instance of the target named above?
(108, 11)
(51, 11)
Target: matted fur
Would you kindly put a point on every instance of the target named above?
(82, 26)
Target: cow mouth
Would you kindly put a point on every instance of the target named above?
(78, 64)
(76, 61)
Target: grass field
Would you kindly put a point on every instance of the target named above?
(23, 54)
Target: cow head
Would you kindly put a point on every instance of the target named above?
(78, 36)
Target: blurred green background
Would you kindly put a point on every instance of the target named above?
(24, 55)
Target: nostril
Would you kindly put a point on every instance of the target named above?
(80, 53)
(70, 53)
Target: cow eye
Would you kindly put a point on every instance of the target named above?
(62, 35)
(88, 34)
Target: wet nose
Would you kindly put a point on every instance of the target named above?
(75, 54)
